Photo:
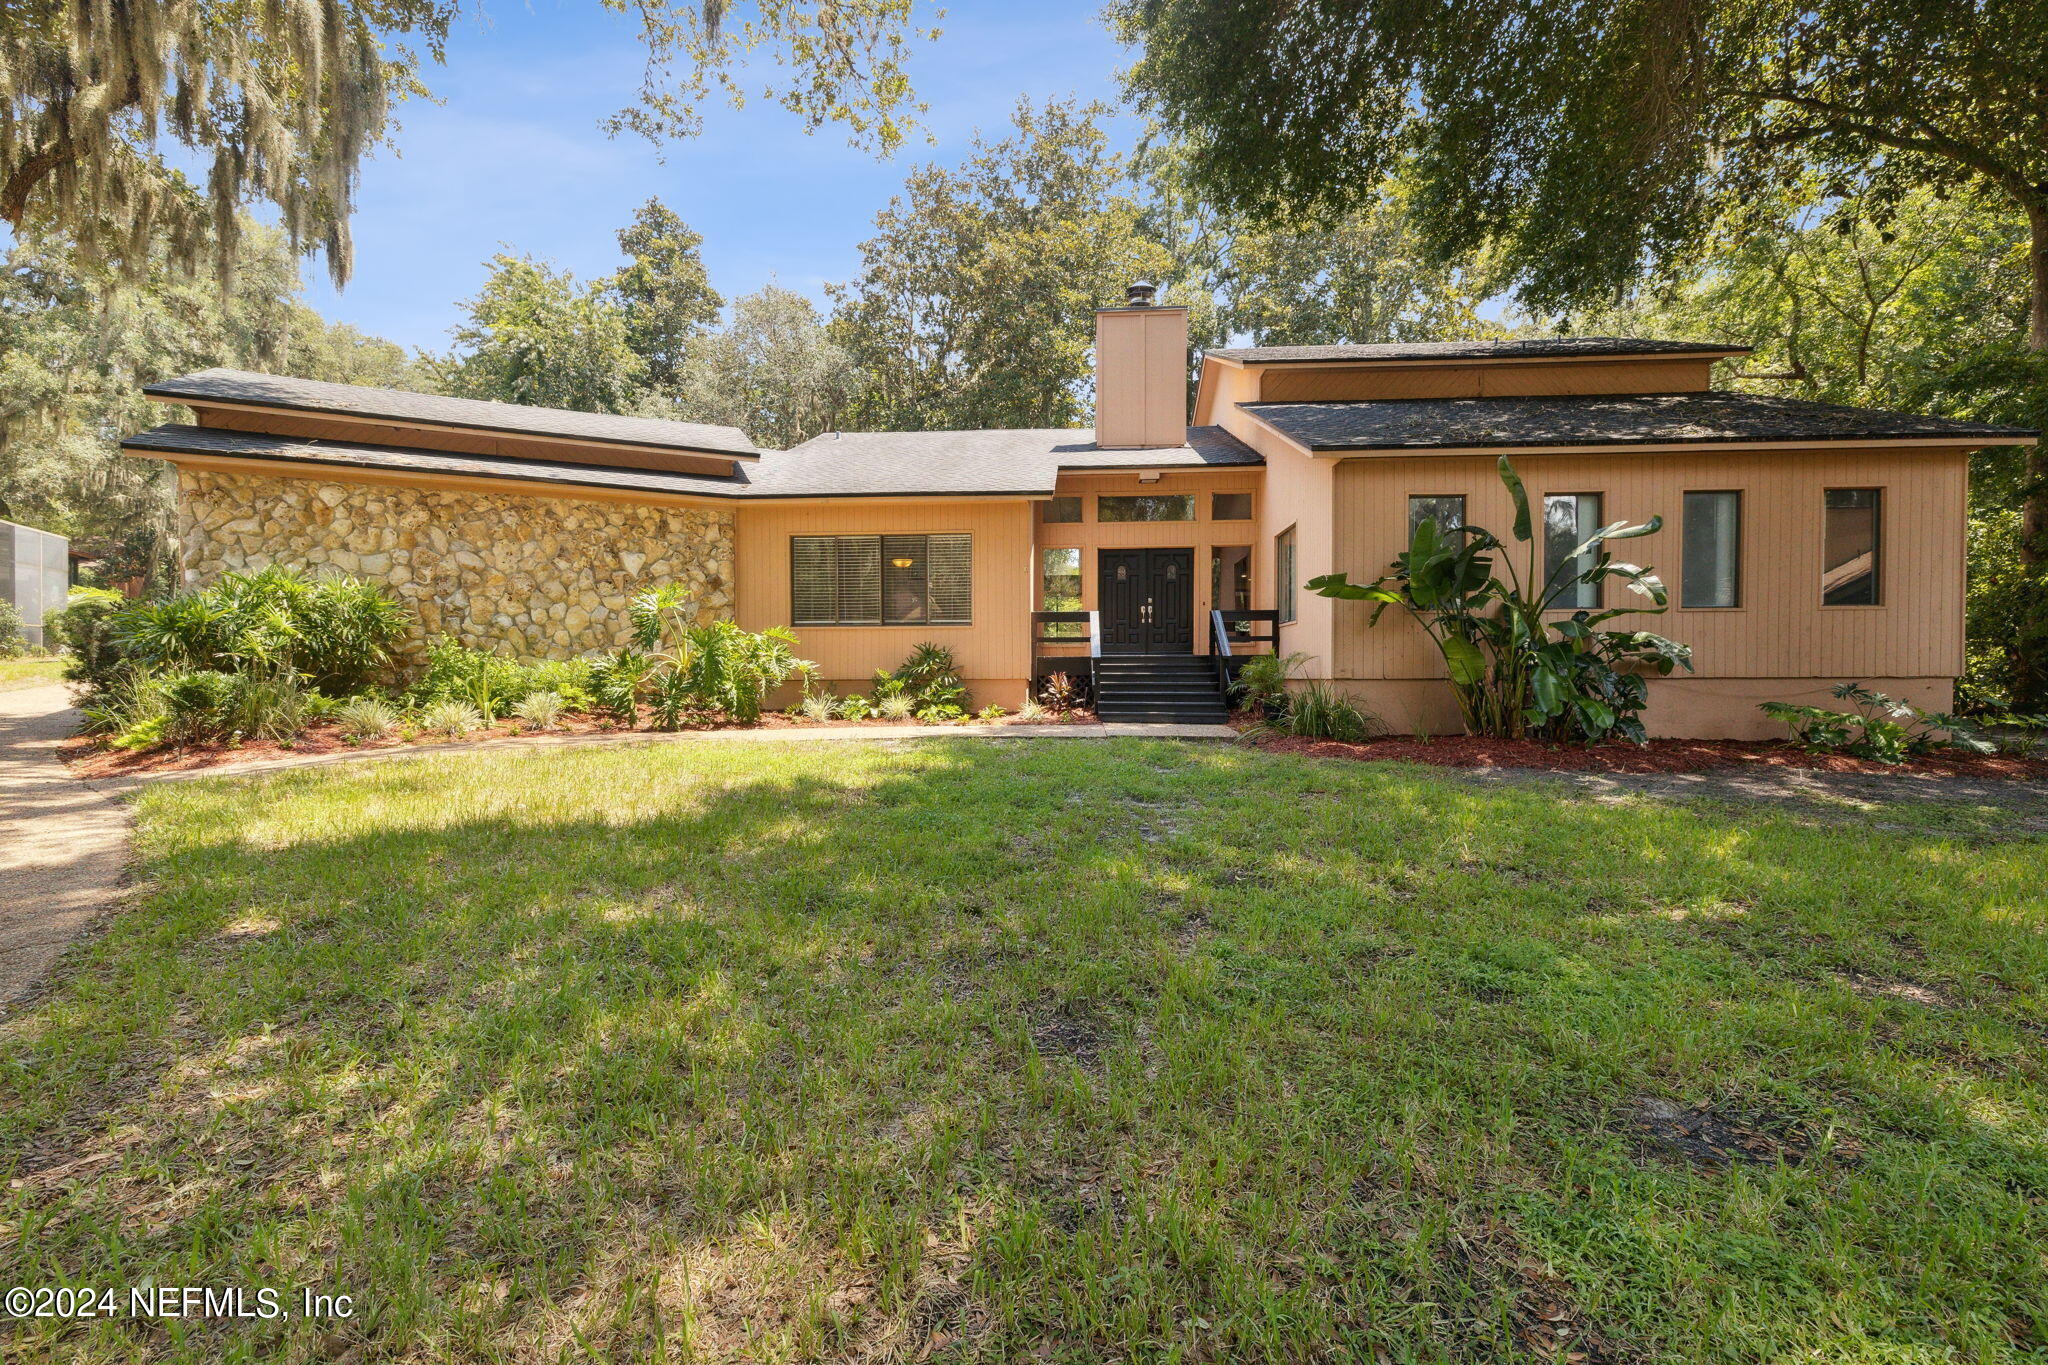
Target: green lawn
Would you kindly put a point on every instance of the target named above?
(17, 673)
(1063, 1051)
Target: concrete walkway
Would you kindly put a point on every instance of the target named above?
(793, 734)
(63, 844)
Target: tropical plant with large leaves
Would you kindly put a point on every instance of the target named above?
(684, 668)
(1515, 671)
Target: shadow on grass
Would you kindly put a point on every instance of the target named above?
(1129, 1048)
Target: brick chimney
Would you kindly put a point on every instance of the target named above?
(1141, 374)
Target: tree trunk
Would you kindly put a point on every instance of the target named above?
(2034, 523)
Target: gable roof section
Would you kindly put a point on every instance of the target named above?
(247, 388)
(1512, 348)
(855, 464)
(1656, 419)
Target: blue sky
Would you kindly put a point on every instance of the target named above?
(513, 154)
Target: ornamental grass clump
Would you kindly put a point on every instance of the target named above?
(1516, 673)
(366, 718)
(451, 718)
(541, 710)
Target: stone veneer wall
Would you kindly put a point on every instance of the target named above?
(536, 577)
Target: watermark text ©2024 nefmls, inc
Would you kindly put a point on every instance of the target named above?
(175, 1301)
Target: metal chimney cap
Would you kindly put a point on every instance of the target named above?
(1139, 295)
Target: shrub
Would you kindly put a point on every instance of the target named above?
(855, 707)
(13, 638)
(684, 668)
(367, 717)
(333, 634)
(1261, 683)
(990, 712)
(1515, 672)
(1877, 727)
(1318, 711)
(484, 678)
(940, 713)
(199, 706)
(84, 630)
(1060, 693)
(451, 716)
(615, 682)
(895, 706)
(930, 677)
(541, 709)
(823, 706)
(1033, 710)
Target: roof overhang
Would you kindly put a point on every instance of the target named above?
(1762, 445)
(1459, 362)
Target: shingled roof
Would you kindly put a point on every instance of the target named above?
(1709, 418)
(350, 400)
(853, 464)
(1514, 348)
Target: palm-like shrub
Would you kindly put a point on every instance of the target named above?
(685, 669)
(1261, 682)
(332, 634)
(363, 718)
(1516, 673)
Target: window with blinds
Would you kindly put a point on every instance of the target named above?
(882, 580)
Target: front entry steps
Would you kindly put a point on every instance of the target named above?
(1180, 689)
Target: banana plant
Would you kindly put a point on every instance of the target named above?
(1515, 671)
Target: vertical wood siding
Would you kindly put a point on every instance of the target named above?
(994, 647)
(1781, 630)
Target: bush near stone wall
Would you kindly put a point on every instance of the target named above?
(530, 576)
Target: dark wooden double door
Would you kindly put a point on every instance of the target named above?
(1147, 600)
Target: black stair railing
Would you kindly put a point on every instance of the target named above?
(1228, 630)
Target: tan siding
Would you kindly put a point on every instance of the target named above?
(1299, 492)
(1780, 631)
(1202, 535)
(1306, 383)
(995, 649)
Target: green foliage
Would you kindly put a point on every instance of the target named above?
(683, 669)
(663, 291)
(366, 717)
(542, 710)
(1316, 710)
(855, 707)
(1579, 141)
(450, 717)
(1877, 727)
(13, 640)
(974, 306)
(940, 713)
(895, 706)
(930, 678)
(1515, 672)
(616, 681)
(774, 372)
(990, 712)
(83, 630)
(493, 683)
(540, 336)
(332, 634)
(1261, 681)
(141, 131)
(822, 707)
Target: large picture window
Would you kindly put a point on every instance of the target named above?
(1568, 518)
(1712, 572)
(1146, 507)
(881, 580)
(1852, 545)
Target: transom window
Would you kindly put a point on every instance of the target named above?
(1146, 507)
(1061, 509)
(882, 580)
(1230, 507)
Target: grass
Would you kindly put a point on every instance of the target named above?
(1068, 1052)
(19, 673)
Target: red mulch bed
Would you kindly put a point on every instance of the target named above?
(88, 758)
(1659, 756)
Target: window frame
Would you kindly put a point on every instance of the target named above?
(1877, 549)
(1578, 516)
(1286, 576)
(1740, 573)
(1250, 508)
(881, 541)
(1194, 509)
(1463, 500)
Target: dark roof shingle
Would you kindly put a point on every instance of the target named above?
(1713, 417)
(1512, 348)
(351, 400)
(855, 464)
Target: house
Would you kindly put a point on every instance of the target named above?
(1804, 543)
